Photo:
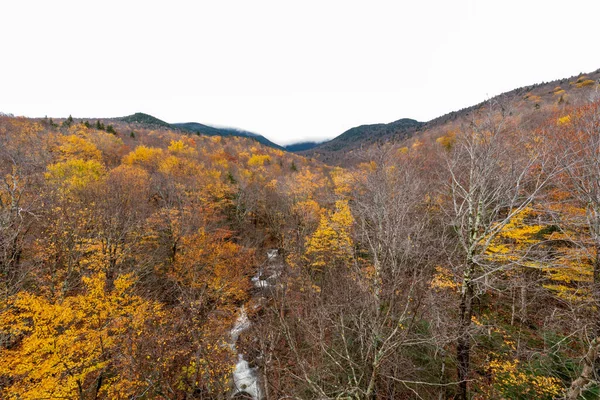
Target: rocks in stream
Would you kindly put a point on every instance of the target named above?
(246, 382)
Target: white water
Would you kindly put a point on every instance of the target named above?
(241, 324)
(245, 378)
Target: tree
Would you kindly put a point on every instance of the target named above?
(493, 173)
(68, 122)
(331, 244)
(81, 347)
(577, 136)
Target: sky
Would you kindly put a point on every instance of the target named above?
(289, 70)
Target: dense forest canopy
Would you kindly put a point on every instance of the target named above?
(460, 262)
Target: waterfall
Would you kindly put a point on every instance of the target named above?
(246, 380)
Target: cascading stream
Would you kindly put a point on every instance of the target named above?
(246, 381)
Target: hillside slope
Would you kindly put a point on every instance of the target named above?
(530, 102)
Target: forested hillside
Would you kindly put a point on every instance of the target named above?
(460, 263)
(532, 102)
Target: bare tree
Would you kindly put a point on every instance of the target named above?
(492, 174)
(578, 138)
(354, 338)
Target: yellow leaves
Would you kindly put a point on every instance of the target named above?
(130, 178)
(532, 97)
(144, 156)
(74, 173)
(515, 236)
(583, 82)
(179, 167)
(259, 160)
(370, 166)
(443, 279)
(564, 120)
(219, 160)
(277, 153)
(64, 346)
(123, 283)
(342, 181)
(509, 378)
(303, 184)
(558, 91)
(342, 217)
(308, 211)
(77, 147)
(569, 274)
(331, 242)
(210, 369)
(447, 141)
(180, 148)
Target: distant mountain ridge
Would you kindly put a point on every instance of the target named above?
(196, 127)
(530, 102)
(370, 133)
(526, 101)
(145, 119)
(301, 146)
(365, 135)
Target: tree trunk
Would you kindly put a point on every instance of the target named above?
(463, 347)
(587, 372)
(596, 297)
(596, 289)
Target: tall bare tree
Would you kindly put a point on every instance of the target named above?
(492, 173)
(577, 137)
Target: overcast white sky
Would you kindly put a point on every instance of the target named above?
(288, 70)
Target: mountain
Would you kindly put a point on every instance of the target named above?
(144, 119)
(370, 133)
(195, 127)
(301, 146)
(339, 148)
(360, 135)
(531, 103)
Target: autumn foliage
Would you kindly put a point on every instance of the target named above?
(461, 263)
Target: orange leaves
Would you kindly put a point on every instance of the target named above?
(302, 185)
(215, 265)
(308, 212)
(86, 327)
